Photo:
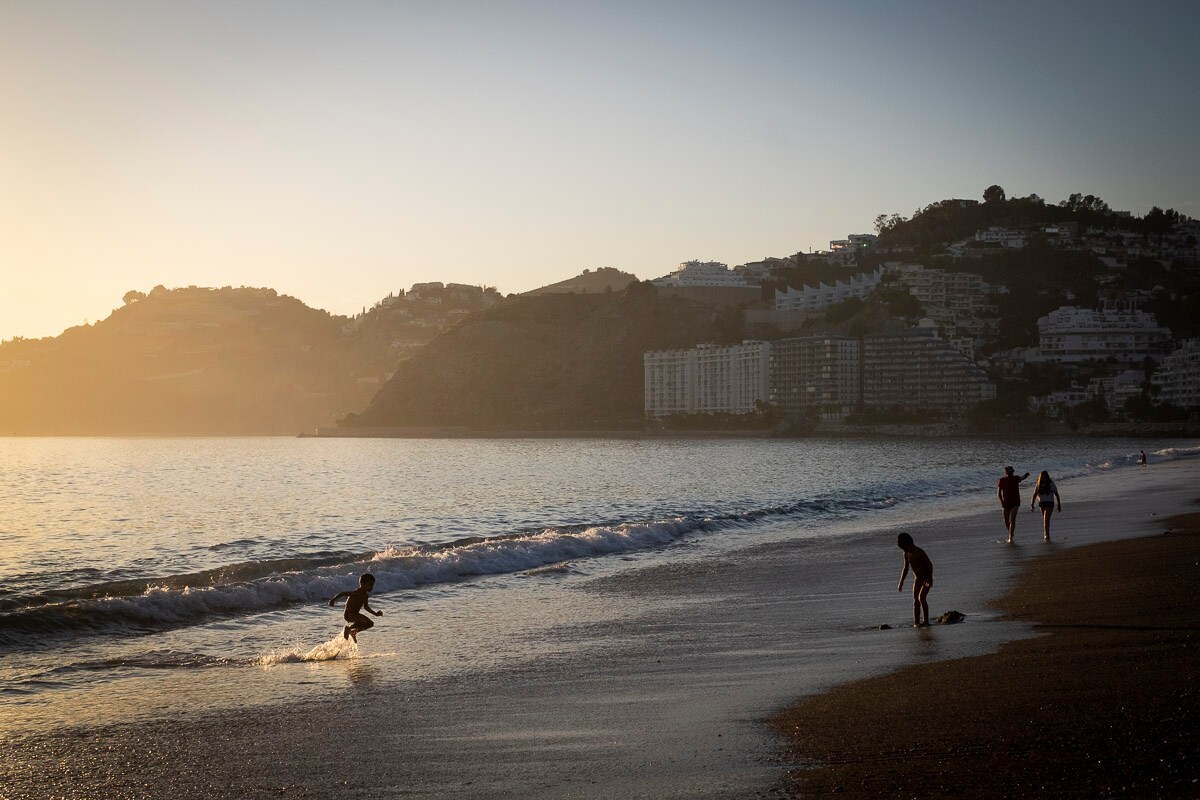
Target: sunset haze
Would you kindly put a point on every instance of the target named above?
(337, 154)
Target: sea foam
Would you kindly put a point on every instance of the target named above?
(259, 586)
(337, 647)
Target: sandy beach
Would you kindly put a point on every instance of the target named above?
(665, 680)
(1102, 703)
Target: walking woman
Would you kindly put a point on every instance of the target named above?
(1045, 495)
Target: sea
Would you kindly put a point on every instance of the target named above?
(141, 578)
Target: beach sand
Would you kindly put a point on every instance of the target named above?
(1105, 703)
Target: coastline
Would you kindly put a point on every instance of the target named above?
(1102, 702)
(649, 682)
(1149, 431)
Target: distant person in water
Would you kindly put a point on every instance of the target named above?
(922, 570)
(1045, 495)
(355, 601)
(1142, 458)
(1008, 489)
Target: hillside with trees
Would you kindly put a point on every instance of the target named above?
(226, 361)
(605, 279)
(549, 362)
(187, 361)
(930, 228)
(1046, 272)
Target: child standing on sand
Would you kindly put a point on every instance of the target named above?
(922, 569)
(356, 600)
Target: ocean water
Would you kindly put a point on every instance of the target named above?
(139, 577)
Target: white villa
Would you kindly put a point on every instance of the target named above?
(1005, 237)
(702, 273)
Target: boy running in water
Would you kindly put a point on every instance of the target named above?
(356, 600)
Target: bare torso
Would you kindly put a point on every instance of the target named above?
(355, 601)
(921, 566)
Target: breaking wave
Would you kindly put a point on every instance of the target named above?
(1154, 456)
(162, 603)
(155, 604)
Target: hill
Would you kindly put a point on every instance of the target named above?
(563, 361)
(187, 361)
(217, 361)
(555, 361)
(605, 279)
(930, 229)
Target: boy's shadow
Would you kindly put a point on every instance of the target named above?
(925, 642)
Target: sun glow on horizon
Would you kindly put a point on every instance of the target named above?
(337, 155)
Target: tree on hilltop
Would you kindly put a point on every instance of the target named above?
(132, 296)
(885, 223)
(1081, 202)
(1159, 221)
(994, 194)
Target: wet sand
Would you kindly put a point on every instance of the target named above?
(1104, 703)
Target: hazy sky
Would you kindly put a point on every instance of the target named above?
(339, 151)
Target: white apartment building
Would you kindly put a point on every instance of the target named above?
(813, 298)
(668, 382)
(707, 379)
(963, 293)
(1179, 375)
(1073, 335)
(702, 273)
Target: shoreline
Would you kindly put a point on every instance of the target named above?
(867, 432)
(879, 432)
(652, 682)
(1101, 702)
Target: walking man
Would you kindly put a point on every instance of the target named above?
(1008, 489)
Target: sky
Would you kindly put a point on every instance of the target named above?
(340, 151)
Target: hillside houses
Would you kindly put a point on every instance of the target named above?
(1100, 266)
(814, 298)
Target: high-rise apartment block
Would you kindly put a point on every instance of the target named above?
(826, 375)
(816, 375)
(707, 379)
(916, 370)
(1179, 375)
